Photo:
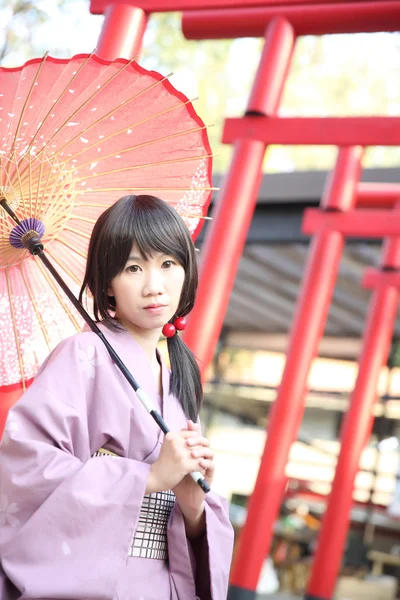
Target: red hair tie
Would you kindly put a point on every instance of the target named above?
(170, 329)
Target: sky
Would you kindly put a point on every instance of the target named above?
(78, 30)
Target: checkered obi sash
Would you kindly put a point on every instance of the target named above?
(150, 539)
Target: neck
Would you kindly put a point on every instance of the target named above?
(146, 338)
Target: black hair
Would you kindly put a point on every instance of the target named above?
(155, 227)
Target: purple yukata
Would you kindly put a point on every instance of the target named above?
(74, 462)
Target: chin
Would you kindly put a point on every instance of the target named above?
(155, 323)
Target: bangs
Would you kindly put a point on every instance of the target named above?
(160, 231)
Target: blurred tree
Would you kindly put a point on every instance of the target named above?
(19, 19)
(12, 15)
(330, 75)
(29, 28)
(340, 75)
(199, 70)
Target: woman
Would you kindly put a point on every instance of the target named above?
(85, 473)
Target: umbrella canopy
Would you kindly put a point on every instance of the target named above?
(76, 135)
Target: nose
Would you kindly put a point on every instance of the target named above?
(153, 285)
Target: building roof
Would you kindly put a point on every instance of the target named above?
(271, 269)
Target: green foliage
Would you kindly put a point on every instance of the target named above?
(343, 75)
(17, 17)
(21, 20)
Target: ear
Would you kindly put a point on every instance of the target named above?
(110, 291)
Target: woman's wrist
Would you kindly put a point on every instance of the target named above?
(195, 521)
(151, 485)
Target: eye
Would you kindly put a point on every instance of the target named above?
(133, 268)
(167, 264)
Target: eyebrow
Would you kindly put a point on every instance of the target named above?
(134, 257)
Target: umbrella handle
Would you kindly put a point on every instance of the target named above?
(31, 239)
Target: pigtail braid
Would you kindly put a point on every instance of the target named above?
(185, 382)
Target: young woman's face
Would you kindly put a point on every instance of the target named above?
(147, 292)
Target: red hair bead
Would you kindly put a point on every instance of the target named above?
(180, 323)
(169, 330)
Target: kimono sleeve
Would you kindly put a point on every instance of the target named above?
(209, 556)
(201, 567)
(67, 519)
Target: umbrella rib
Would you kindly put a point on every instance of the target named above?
(30, 187)
(132, 126)
(57, 292)
(60, 239)
(20, 182)
(90, 205)
(8, 253)
(142, 189)
(50, 195)
(148, 143)
(65, 172)
(9, 180)
(81, 106)
(53, 195)
(62, 265)
(155, 164)
(91, 221)
(38, 188)
(57, 101)
(59, 203)
(7, 225)
(22, 115)
(60, 206)
(59, 212)
(188, 216)
(110, 113)
(56, 180)
(45, 195)
(80, 233)
(34, 304)
(14, 322)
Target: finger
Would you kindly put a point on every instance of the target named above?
(206, 464)
(197, 441)
(187, 433)
(201, 451)
(194, 465)
(193, 426)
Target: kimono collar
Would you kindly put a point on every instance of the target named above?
(136, 359)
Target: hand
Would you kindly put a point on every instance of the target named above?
(175, 461)
(189, 494)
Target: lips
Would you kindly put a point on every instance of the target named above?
(155, 306)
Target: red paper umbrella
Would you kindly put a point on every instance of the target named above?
(76, 135)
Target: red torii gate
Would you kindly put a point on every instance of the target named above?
(340, 215)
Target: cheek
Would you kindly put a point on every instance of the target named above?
(180, 280)
(122, 291)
